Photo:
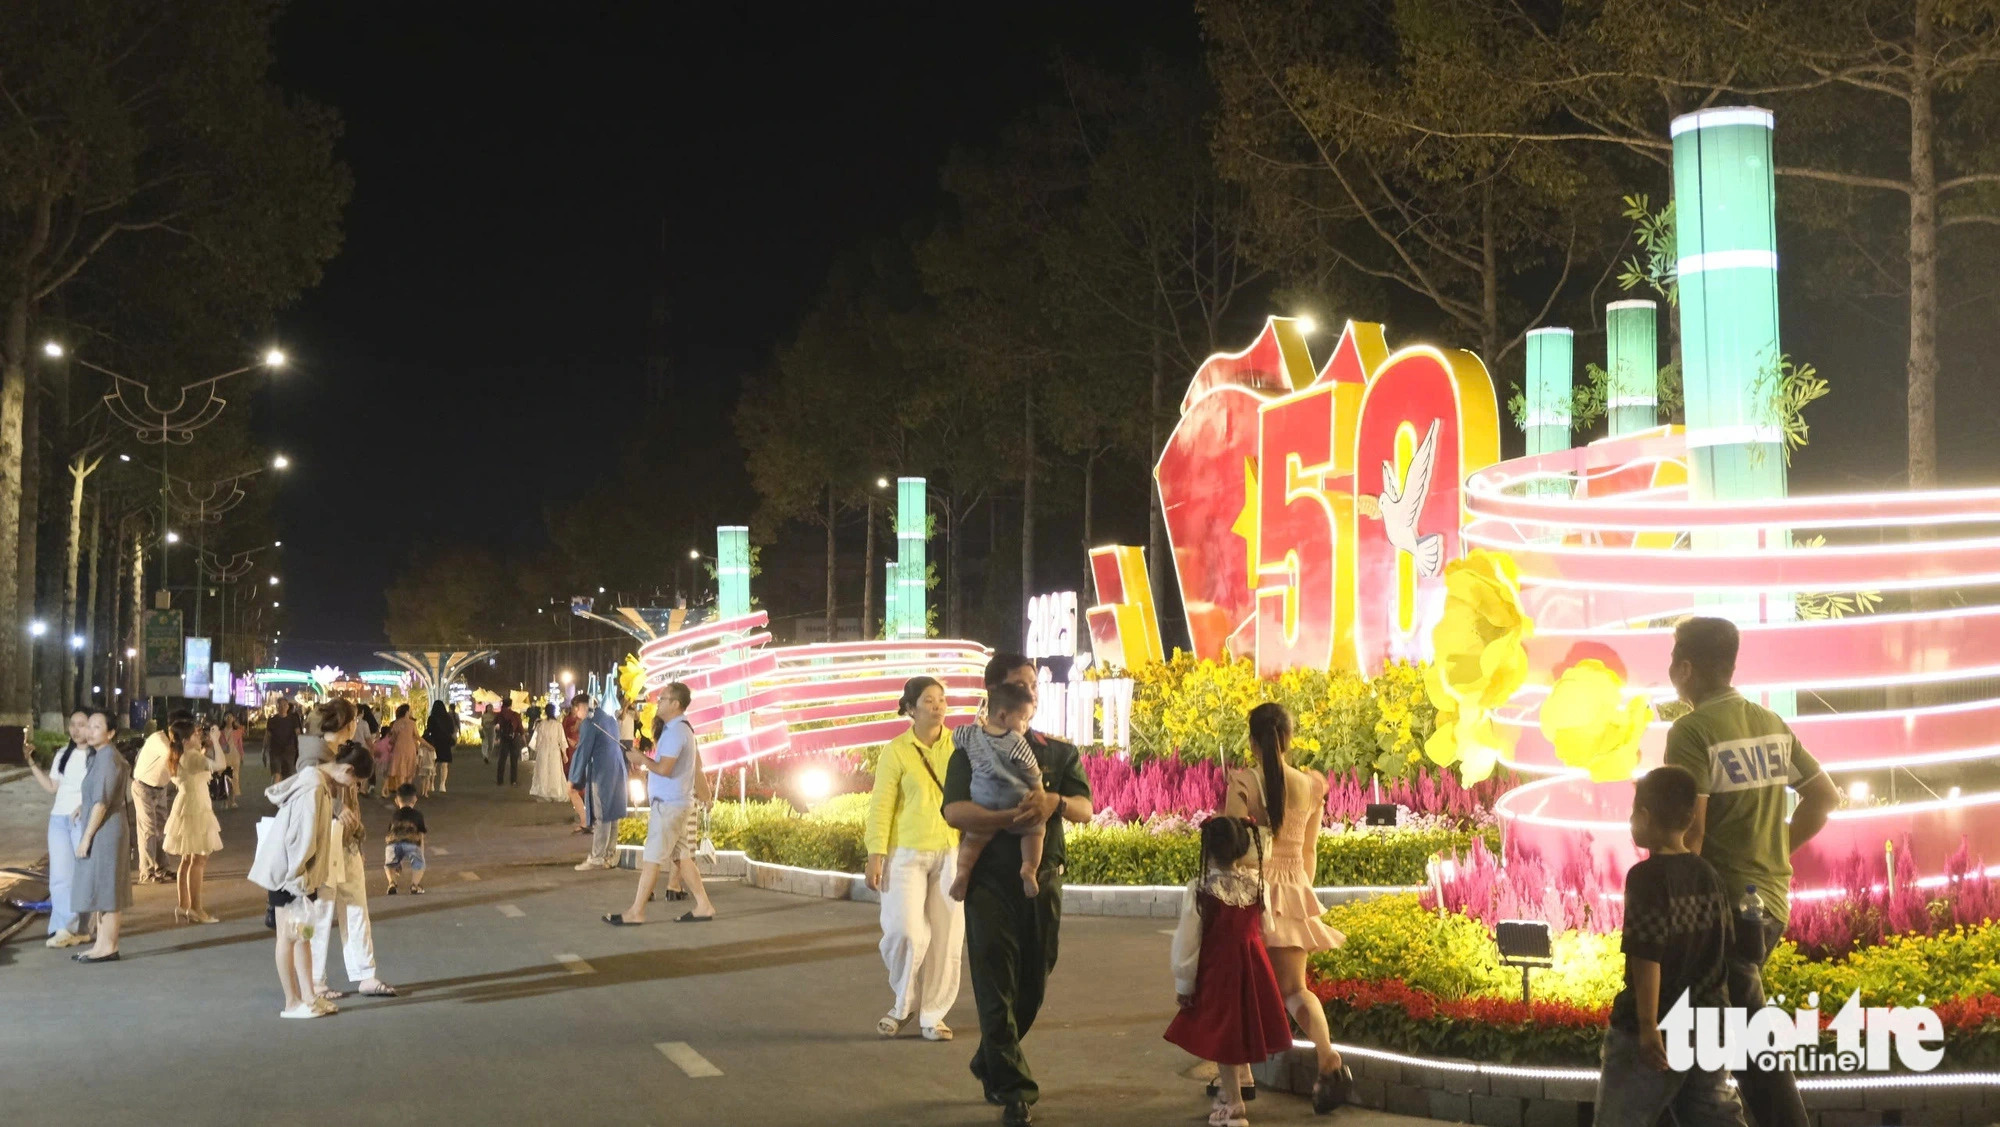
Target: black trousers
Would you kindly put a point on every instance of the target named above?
(1011, 946)
(506, 763)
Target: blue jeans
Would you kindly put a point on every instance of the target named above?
(65, 834)
(1630, 1094)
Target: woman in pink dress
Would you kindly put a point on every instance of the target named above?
(1290, 804)
(402, 751)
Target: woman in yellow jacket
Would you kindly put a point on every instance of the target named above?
(910, 852)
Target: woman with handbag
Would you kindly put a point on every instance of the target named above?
(441, 732)
(911, 852)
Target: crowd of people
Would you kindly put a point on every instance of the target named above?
(964, 836)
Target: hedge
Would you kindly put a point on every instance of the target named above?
(831, 839)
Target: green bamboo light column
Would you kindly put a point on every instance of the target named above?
(1632, 366)
(907, 607)
(1549, 381)
(732, 600)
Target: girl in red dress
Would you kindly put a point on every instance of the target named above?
(1231, 1010)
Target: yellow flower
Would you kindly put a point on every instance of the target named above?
(1591, 722)
(1479, 639)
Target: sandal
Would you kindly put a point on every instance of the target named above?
(617, 919)
(1248, 1092)
(889, 1025)
(330, 995)
(1332, 1089)
(386, 991)
(690, 918)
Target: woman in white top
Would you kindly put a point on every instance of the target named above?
(65, 827)
(550, 782)
(192, 829)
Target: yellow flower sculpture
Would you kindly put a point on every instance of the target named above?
(631, 679)
(1592, 724)
(1481, 659)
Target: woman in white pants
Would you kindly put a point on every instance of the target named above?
(910, 852)
(65, 781)
(348, 905)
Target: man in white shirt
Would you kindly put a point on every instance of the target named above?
(152, 798)
(628, 726)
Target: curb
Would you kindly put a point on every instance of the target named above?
(1148, 901)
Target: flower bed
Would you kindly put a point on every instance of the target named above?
(1162, 851)
(1413, 979)
(1134, 790)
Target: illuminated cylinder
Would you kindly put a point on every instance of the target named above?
(732, 600)
(1632, 366)
(909, 604)
(1726, 246)
(891, 587)
(1551, 359)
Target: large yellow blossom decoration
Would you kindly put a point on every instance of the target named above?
(1592, 723)
(1481, 659)
(631, 679)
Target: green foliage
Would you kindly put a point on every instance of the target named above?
(807, 843)
(1832, 604)
(1454, 956)
(1653, 231)
(1961, 963)
(1133, 854)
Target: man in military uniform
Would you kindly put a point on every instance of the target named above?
(1011, 939)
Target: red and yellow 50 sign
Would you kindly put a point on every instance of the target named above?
(1311, 512)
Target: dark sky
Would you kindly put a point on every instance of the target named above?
(515, 167)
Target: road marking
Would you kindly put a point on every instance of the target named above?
(440, 851)
(689, 1061)
(574, 964)
(511, 911)
(467, 874)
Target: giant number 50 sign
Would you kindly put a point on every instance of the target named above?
(1311, 512)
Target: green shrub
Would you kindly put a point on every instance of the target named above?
(807, 843)
(1132, 854)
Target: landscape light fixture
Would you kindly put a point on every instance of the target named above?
(814, 784)
(1858, 792)
(52, 350)
(1306, 324)
(1526, 944)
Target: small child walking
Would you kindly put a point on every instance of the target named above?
(1678, 929)
(1004, 772)
(1231, 1010)
(406, 841)
(427, 768)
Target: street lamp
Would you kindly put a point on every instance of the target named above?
(52, 350)
(173, 537)
(38, 628)
(274, 581)
(1306, 323)
(881, 483)
(76, 641)
(280, 462)
(694, 553)
(124, 457)
(130, 652)
(275, 358)
(567, 677)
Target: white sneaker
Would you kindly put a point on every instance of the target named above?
(66, 938)
(303, 1011)
(590, 866)
(938, 1032)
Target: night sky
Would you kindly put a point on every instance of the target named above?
(532, 178)
(517, 168)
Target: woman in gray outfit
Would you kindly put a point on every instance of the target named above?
(102, 881)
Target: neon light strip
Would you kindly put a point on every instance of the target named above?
(1590, 1075)
(1717, 118)
(1727, 260)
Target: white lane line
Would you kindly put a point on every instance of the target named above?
(689, 1061)
(1168, 930)
(440, 850)
(511, 911)
(467, 874)
(574, 964)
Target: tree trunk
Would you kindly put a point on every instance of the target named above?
(135, 611)
(1027, 510)
(79, 470)
(1156, 530)
(1923, 361)
(1089, 529)
(28, 540)
(87, 666)
(832, 623)
(13, 401)
(1489, 281)
(868, 574)
(954, 625)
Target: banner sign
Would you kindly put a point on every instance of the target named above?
(161, 637)
(195, 668)
(218, 682)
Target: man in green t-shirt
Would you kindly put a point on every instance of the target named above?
(1010, 939)
(1745, 762)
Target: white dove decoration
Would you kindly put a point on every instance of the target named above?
(1401, 505)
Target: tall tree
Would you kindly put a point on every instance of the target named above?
(142, 140)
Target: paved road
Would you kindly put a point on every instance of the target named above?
(519, 1007)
